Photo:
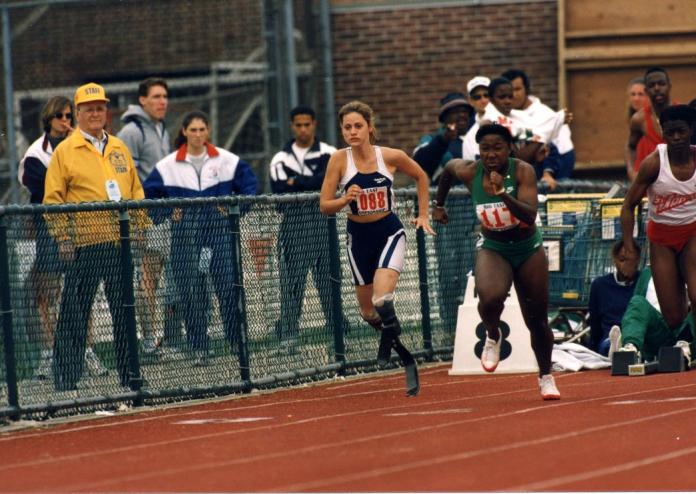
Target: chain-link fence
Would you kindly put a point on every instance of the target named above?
(192, 297)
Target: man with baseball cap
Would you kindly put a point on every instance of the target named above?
(478, 94)
(90, 166)
(435, 150)
(455, 115)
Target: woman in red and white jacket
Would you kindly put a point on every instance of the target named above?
(201, 238)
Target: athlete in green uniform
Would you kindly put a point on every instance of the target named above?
(504, 193)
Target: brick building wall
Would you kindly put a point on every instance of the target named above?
(402, 60)
(75, 42)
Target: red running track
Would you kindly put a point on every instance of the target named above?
(462, 433)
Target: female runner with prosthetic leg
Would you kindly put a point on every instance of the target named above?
(504, 193)
(375, 236)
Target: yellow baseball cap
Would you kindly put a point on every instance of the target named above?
(90, 92)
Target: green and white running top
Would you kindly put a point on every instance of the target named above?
(490, 210)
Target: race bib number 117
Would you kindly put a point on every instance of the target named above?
(496, 216)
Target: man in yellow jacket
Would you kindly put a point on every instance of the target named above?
(89, 166)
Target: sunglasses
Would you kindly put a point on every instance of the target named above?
(477, 97)
(60, 115)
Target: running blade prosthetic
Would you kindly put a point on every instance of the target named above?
(412, 381)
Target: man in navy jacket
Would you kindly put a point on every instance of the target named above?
(300, 167)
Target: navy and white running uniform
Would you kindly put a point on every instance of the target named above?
(379, 244)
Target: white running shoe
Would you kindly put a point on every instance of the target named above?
(547, 386)
(93, 364)
(614, 340)
(686, 349)
(490, 356)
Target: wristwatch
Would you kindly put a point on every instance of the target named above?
(436, 205)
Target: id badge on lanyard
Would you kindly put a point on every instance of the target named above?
(113, 191)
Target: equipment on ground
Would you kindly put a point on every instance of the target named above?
(669, 359)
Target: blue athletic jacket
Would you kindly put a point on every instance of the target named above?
(307, 175)
(222, 174)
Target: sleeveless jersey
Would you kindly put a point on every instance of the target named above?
(671, 202)
(377, 195)
(491, 211)
(649, 141)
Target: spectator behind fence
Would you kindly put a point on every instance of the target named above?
(643, 329)
(45, 275)
(530, 137)
(477, 88)
(609, 296)
(668, 176)
(89, 166)
(561, 157)
(147, 139)
(201, 236)
(479, 97)
(510, 250)
(364, 173)
(644, 128)
(300, 167)
(637, 98)
(432, 154)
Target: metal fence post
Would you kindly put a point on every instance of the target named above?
(336, 301)
(240, 302)
(9, 102)
(136, 380)
(6, 309)
(423, 288)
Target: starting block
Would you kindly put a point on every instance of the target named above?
(669, 359)
(672, 359)
(621, 361)
(516, 355)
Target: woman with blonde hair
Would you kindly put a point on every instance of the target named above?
(364, 175)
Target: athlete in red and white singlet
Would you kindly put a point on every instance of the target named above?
(668, 176)
(672, 205)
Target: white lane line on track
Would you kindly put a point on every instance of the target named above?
(182, 412)
(372, 473)
(430, 412)
(221, 421)
(602, 472)
(666, 400)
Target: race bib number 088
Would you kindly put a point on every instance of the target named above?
(373, 200)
